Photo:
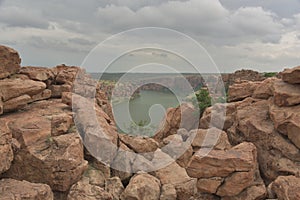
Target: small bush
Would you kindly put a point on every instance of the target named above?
(270, 74)
(203, 100)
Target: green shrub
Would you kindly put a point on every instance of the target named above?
(203, 100)
(270, 74)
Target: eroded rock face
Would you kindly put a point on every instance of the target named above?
(291, 76)
(226, 173)
(17, 93)
(84, 190)
(38, 73)
(286, 94)
(142, 187)
(12, 189)
(287, 121)
(241, 91)
(115, 187)
(177, 118)
(286, 187)
(42, 157)
(9, 61)
(139, 144)
(6, 151)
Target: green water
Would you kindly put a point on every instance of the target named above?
(148, 109)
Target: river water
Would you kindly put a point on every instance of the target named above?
(148, 109)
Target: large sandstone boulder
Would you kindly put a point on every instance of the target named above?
(287, 121)
(139, 144)
(6, 151)
(227, 173)
(84, 190)
(291, 76)
(265, 89)
(286, 94)
(286, 187)
(177, 118)
(17, 93)
(41, 157)
(142, 187)
(9, 61)
(115, 187)
(241, 91)
(38, 73)
(12, 190)
(177, 176)
(220, 163)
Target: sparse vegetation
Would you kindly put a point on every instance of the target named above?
(270, 74)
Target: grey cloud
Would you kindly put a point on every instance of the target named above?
(81, 41)
(19, 17)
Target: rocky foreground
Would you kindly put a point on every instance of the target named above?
(256, 155)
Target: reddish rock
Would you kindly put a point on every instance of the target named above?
(57, 90)
(5, 147)
(12, 189)
(56, 161)
(139, 144)
(12, 88)
(115, 187)
(9, 61)
(287, 121)
(38, 73)
(210, 138)
(220, 163)
(209, 185)
(286, 187)
(84, 190)
(177, 118)
(286, 94)
(142, 187)
(16, 103)
(265, 89)
(291, 76)
(241, 91)
(219, 115)
(168, 192)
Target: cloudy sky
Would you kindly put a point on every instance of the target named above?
(258, 34)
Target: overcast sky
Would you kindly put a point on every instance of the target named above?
(258, 34)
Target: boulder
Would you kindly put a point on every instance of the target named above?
(255, 192)
(276, 154)
(9, 62)
(57, 90)
(210, 138)
(209, 185)
(176, 176)
(168, 192)
(6, 151)
(178, 149)
(16, 103)
(287, 121)
(291, 76)
(264, 90)
(286, 187)
(139, 144)
(219, 115)
(12, 189)
(96, 177)
(241, 91)
(115, 187)
(177, 118)
(286, 94)
(12, 88)
(38, 73)
(40, 157)
(84, 190)
(142, 187)
(220, 163)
